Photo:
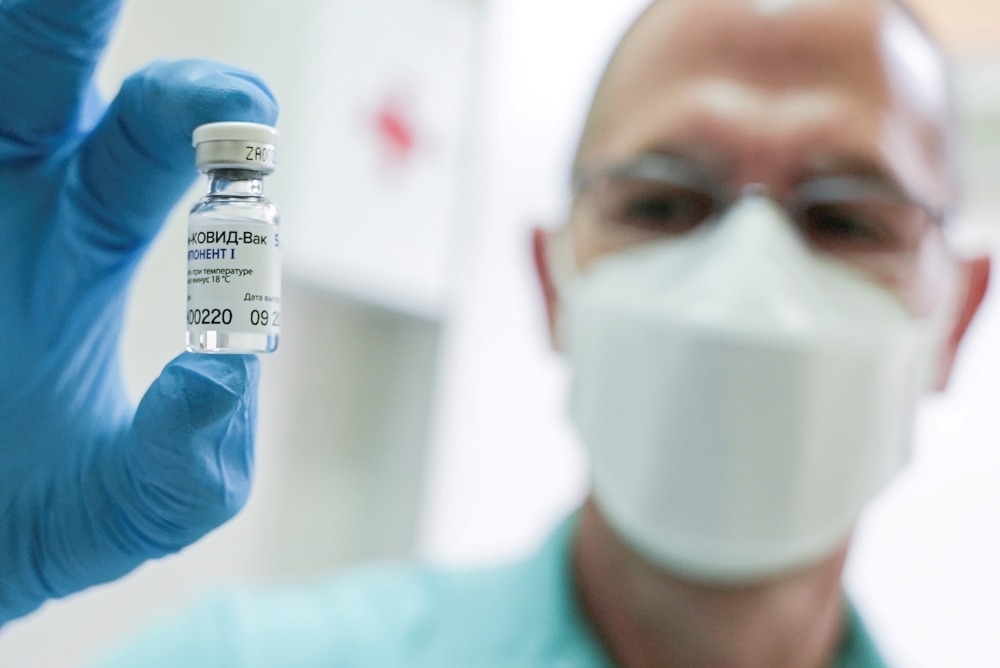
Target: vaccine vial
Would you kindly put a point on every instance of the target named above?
(234, 253)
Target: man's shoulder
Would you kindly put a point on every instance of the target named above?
(519, 614)
(377, 614)
(385, 614)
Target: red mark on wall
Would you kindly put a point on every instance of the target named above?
(394, 129)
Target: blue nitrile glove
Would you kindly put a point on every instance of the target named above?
(90, 487)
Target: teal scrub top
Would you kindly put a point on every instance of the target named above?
(522, 615)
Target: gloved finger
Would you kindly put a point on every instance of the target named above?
(139, 160)
(50, 49)
(183, 469)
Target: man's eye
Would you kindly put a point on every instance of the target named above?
(669, 213)
(654, 209)
(839, 226)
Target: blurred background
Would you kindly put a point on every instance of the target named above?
(414, 408)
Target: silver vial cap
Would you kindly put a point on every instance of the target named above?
(235, 145)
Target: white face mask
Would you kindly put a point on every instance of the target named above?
(741, 397)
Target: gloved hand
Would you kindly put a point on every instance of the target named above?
(90, 487)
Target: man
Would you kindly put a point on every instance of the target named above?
(753, 288)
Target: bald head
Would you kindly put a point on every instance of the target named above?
(692, 74)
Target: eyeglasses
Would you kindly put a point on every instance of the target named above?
(863, 220)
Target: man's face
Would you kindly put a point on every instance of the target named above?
(839, 111)
(782, 94)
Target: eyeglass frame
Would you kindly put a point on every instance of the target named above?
(670, 170)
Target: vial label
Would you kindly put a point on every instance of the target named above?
(234, 277)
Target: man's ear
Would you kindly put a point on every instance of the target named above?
(976, 274)
(540, 252)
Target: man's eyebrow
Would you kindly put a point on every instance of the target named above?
(863, 168)
(681, 166)
(697, 157)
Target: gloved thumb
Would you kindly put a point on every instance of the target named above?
(189, 462)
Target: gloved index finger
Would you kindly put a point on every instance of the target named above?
(48, 52)
(136, 164)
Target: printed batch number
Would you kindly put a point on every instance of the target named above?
(216, 316)
(260, 153)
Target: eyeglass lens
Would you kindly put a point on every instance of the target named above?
(859, 230)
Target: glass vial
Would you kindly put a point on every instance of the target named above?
(234, 256)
